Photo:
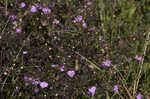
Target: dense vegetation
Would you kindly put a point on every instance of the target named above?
(74, 49)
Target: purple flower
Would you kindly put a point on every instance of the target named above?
(36, 82)
(17, 87)
(13, 17)
(71, 73)
(18, 30)
(33, 9)
(101, 39)
(92, 90)
(36, 90)
(139, 58)
(89, 3)
(14, 22)
(39, 6)
(43, 84)
(84, 25)
(53, 65)
(46, 10)
(116, 88)
(25, 52)
(22, 4)
(77, 19)
(62, 68)
(25, 77)
(106, 63)
(139, 96)
(56, 21)
(30, 78)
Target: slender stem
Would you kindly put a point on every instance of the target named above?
(123, 82)
(120, 95)
(6, 3)
(141, 63)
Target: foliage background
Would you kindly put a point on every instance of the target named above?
(124, 25)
